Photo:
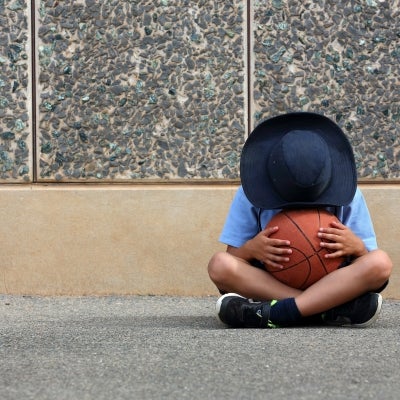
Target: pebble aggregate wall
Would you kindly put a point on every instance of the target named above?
(157, 90)
(16, 139)
(140, 90)
(339, 58)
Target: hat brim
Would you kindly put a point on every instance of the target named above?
(254, 175)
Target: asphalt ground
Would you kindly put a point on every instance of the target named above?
(174, 348)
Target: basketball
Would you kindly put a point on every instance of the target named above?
(307, 263)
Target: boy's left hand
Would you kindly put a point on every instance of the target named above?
(341, 241)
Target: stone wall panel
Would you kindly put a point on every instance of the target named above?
(340, 59)
(140, 90)
(15, 105)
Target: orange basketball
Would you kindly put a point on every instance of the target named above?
(307, 263)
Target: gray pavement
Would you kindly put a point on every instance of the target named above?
(146, 347)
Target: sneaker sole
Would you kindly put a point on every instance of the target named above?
(220, 300)
(372, 319)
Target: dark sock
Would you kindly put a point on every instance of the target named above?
(285, 313)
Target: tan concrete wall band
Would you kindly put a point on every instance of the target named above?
(125, 239)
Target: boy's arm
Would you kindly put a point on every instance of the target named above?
(341, 241)
(355, 236)
(272, 252)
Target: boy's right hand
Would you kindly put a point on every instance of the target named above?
(271, 252)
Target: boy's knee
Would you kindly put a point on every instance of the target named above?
(387, 264)
(381, 265)
(217, 265)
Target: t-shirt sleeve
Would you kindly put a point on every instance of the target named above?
(356, 216)
(241, 223)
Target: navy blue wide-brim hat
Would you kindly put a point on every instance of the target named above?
(299, 159)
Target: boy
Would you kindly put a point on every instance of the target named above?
(298, 160)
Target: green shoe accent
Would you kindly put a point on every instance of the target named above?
(271, 324)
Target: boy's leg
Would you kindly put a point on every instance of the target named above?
(237, 311)
(367, 273)
(231, 274)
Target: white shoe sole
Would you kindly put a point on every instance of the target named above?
(371, 320)
(374, 317)
(220, 300)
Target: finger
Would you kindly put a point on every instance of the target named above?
(331, 245)
(328, 236)
(331, 231)
(279, 243)
(270, 230)
(272, 264)
(334, 226)
(279, 251)
(276, 259)
(335, 254)
(337, 224)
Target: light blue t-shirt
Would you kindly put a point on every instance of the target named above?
(244, 220)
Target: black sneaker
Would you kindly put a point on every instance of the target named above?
(359, 313)
(239, 312)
